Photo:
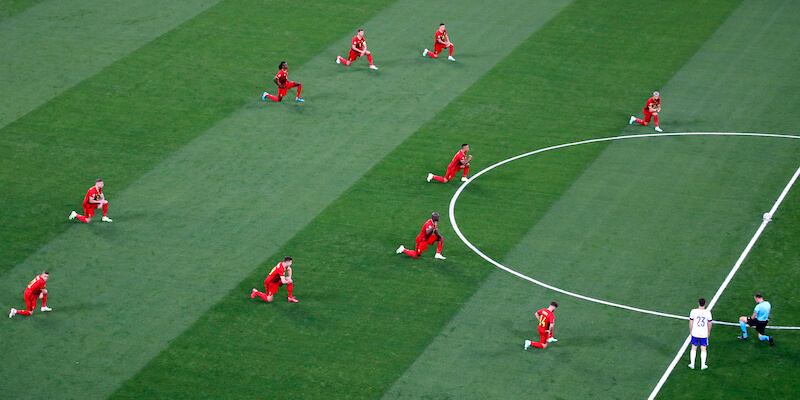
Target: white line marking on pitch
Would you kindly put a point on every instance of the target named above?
(766, 219)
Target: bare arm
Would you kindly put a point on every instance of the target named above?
(287, 278)
(278, 83)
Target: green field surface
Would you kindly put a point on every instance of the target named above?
(210, 187)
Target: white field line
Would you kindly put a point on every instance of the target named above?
(766, 219)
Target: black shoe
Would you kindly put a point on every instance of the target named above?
(742, 338)
(771, 341)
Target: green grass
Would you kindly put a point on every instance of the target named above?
(211, 187)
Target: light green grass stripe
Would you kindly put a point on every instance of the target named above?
(56, 44)
(186, 232)
(580, 244)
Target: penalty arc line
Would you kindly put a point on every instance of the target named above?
(767, 219)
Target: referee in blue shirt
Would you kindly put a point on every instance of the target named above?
(759, 320)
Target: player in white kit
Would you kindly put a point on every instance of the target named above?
(700, 329)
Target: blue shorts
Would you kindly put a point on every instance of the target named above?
(699, 341)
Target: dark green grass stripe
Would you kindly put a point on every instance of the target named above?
(135, 113)
(365, 313)
(10, 8)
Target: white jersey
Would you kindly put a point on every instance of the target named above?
(700, 319)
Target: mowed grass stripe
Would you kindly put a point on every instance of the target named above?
(10, 8)
(214, 210)
(365, 313)
(56, 45)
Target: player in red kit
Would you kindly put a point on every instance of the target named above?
(358, 48)
(427, 236)
(441, 42)
(34, 291)
(282, 80)
(460, 161)
(280, 275)
(652, 109)
(547, 321)
(93, 200)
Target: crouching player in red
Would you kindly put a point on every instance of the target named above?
(651, 109)
(441, 42)
(93, 200)
(280, 275)
(357, 49)
(427, 236)
(547, 321)
(282, 80)
(460, 161)
(34, 291)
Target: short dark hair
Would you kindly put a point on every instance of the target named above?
(98, 181)
(45, 273)
(464, 145)
(758, 295)
(285, 259)
(280, 66)
(435, 215)
(702, 302)
(554, 304)
(360, 30)
(441, 24)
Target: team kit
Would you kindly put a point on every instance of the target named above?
(700, 320)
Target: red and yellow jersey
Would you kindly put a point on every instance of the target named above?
(282, 77)
(93, 193)
(441, 36)
(546, 318)
(36, 285)
(423, 233)
(360, 43)
(456, 163)
(277, 272)
(654, 103)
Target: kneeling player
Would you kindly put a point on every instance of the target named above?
(34, 291)
(358, 48)
(427, 236)
(460, 161)
(547, 321)
(282, 80)
(441, 42)
(93, 200)
(651, 109)
(280, 275)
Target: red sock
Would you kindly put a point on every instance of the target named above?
(439, 178)
(274, 98)
(105, 210)
(299, 88)
(432, 55)
(44, 300)
(451, 50)
(82, 218)
(263, 296)
(655, 119)
(466, 171)
(439, 247)
(537, 345)
(640, 121)
(369, 58)
(23, 312)
(289, 288)
(411, 253)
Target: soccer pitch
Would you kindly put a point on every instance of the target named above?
(210, 187)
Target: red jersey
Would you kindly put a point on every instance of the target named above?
(359, 43)
(36, 285)
(652, 102)
(423, 233)
(282, 77)
(546, 319)
(456, 163)
(93, 193)
(441, 37)
(275, 275)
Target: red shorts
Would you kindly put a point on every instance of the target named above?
(89, 209)
(647, 115)
(272, 287)
(354, 55)
(543, 335)
(422, 245)
(451, 172)
(30, 300)
(438, 47)
(289, 85)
